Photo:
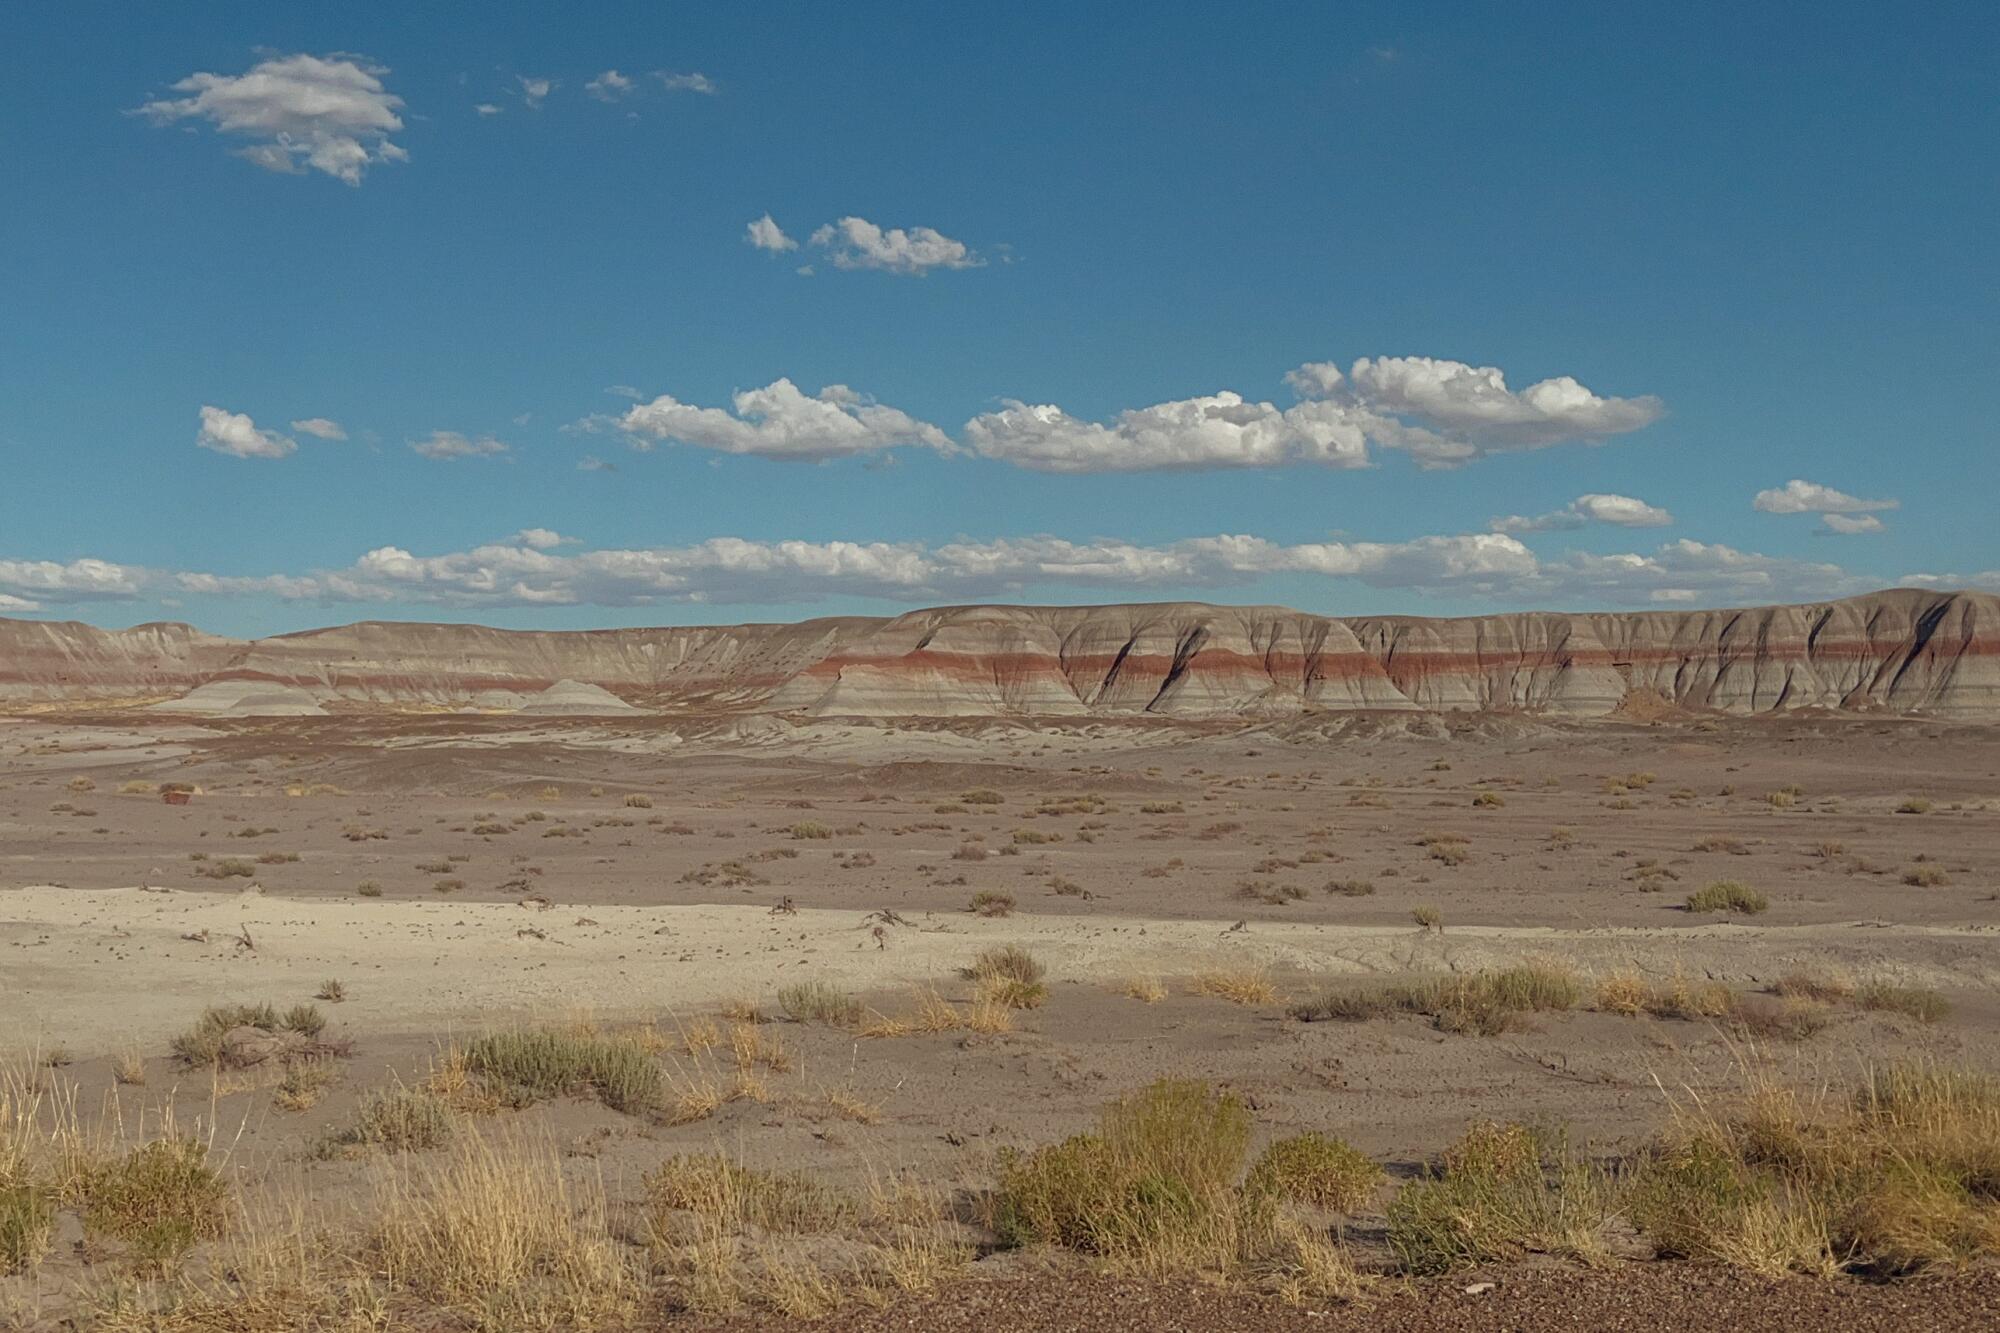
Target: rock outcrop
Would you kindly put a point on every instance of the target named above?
(1903, 651)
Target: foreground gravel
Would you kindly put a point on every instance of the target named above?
(1680, 1298)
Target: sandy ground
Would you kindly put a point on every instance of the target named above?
(647, 872)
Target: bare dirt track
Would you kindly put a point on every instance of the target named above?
(460, 875)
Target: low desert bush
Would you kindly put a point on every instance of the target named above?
(27, 1221)
(538, 1063)
(1344, 1004)
(1916, 1002)
(1315, 1169)
(991, 902)
(1238, 985)
(1727, 895)
(1502, 1192)
(811, 830)
(1153, 1187)
(161, 1198)
(819, 1002)
(1489, 1003)
(401, 1120)
(1011, 976)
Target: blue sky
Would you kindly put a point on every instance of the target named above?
(1733, 249)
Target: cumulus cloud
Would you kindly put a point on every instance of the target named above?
(694, 81)
(1851, 525)
(487, 109)
(1444, 413)
(320, 428)
(447, 445)
(1798, 496)
(1447, 413)
(609, 86)
(30, 582)
(765, 234)
(235, 434)
(1620, 511)
(328, 113)
(780, 421)
(541, 539)
(856, 243)
(1214, 431)
(534, 90)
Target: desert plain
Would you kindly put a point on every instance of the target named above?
(698, 1019)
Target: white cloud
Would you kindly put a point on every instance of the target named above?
(539, 566)
(1218, 430)
(694, 81)
(592, 463)
(34, 581)
(779, 421)
(609, 86)
(8, 602)
(533, 90)
(1850, 525)
(449, 444)
(487, 109)
(329, 113)
(856, 243)
(1620, 511)
(235, 434)
(1447, 413)
(766, 234)
(320, 428)
(1798, 496)
(1986, 581)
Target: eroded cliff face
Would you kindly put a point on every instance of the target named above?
(1902, 651)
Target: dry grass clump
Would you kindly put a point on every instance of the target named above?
(497, 1233)
(1926, 875)
(161, 1198)
(719, 1190)
(638, 801)
(1344, 1004)
(1446, 848)
(538, 1063)
(1152, 1189)
(982, 796)
(1010, 976)
(1728, 895)
(1733, 846)
(1488, 800)
(1915, 805)
(1502, 1192)
(1349, 888)
(991, 902)
(1147, 990)
(1824, 987)
(1924, 1005)
(1903, 1176)
(811, 830)
(27, 1222)
(819, 1002)
(207, 1042)
(401, 1120)
(1238, 985)
(1316, 1169)
(1489, 1003)
(1427, 917)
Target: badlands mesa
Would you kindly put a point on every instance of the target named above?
(868, 971)
(1934, 654)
